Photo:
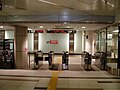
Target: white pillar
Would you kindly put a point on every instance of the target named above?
(21, 39)
(90, 41)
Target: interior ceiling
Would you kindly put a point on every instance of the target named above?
(61, 8)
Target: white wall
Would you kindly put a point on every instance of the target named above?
(30, 41)
(9, 34)
(45, 46)
(78, 42)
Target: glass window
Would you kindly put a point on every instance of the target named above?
(112, 43)
(103, 40)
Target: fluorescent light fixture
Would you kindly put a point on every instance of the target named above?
(30, 29)
(83, 27)
(109, 36)
(116, 31)
(1, 27)
(108, 3)
(48, 2)
(68, 26)
(65, 22)
(41, 26)
(87, 21)
(8, 6)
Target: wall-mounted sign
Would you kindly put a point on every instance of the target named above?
(52, 42)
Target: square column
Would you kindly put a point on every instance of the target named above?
(21, 46)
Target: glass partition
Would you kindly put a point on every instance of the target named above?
(101, 40)
(102, 36)
(107, 41)
(112, 44)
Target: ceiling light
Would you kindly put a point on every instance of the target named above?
(48, 2)
(116, 31)
(68, 26)
(83, 27)
(1, 26)
(8, 6)
(65, 22)
(109, 36)
(108, 3)
(41, 26)
(30, 29)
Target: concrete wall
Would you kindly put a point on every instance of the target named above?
(21, 45)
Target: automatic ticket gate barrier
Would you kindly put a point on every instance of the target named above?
(87, 61)
(50, 59)
(38, 57)
(103, 60)
(65, 59)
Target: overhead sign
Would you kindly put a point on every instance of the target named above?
(39, 31)
(61, 31)
(51, 31)
(57, 31)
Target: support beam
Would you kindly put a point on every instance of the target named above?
(56, 18)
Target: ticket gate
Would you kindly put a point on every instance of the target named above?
(65, 59)
(38, 57)
(87, 61)
(103, 60)
(50, 59)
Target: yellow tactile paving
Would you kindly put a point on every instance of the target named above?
(54, 78)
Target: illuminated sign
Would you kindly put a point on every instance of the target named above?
(57, 31)
(51, 31)
(61, 31)
(39, 31)
(52, 42)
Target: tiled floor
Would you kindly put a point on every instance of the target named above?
(66, 79)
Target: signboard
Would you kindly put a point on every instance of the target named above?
(51, 31)
(53, 41)
(39, 31)
(57, 31)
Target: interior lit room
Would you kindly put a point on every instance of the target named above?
(59, 45)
